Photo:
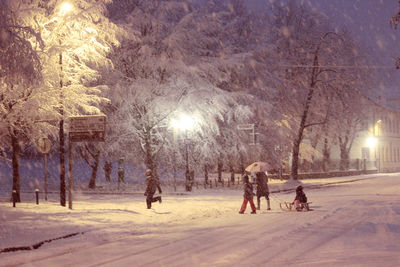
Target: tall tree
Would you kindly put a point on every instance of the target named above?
(78, 36)
(310, 54)
(20, 76)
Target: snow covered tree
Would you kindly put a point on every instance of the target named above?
(160, 61)
(77, 38)
(91, 155)
(20, 77)
(308, 52)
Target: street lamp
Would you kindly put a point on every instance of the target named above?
(185, 123)
(372, 141)
(64, 9)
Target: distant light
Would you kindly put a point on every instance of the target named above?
(371, 141)
(184, 122)
(65, 8)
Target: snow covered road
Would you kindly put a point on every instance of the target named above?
(352, 224)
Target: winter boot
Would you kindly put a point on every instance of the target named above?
(268, 204)
(253, 212)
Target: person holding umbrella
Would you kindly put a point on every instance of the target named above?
(262, 188)
(248, 195)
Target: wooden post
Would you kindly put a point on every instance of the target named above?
(70, 177)
(45, 176)
(37, 196)
(14, 197)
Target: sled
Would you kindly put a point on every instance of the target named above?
(289, 206)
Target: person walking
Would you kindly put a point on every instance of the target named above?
(248, 195)
(151, 186)
(262, 189)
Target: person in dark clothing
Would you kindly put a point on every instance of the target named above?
(107, 170)
(300, 201)
(262, 188)
(247, 196)
(151, 186)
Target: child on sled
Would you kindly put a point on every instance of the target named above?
(300, 201)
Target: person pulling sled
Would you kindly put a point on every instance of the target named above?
(262, 189)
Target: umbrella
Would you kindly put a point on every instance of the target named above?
(259, 166)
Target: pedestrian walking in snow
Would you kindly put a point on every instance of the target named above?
(248, 195)
(151, 186)
(262, 189)
(300, 201)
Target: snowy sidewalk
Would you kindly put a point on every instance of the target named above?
(204, 227)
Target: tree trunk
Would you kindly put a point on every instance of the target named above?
(219, 170)
(344, 158)
(108, 170)
(206, 173)
(92, 182)
(242, 168)
(149, 156)
(300, 132)
(295, 159)
(344, 153)
(15, 165)
(326, 156)
(313, 80)
(232, 174)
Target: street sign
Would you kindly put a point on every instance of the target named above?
(245, 127)
(44, 145)
(87, 128)
(86, 136)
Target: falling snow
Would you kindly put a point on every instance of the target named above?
(193, 90)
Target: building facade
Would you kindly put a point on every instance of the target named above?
(379, 142)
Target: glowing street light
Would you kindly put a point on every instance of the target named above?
(185, 123)
(65, 8)
(372, 141)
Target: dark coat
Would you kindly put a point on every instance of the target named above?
(262, 184)
(152, 185)
(300, 196)
(248, 190)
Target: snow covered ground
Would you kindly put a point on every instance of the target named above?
(355, 222)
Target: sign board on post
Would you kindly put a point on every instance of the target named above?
(44, 145)
(87, 128)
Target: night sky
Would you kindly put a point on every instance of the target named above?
(368, 21)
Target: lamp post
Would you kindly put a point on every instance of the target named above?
(371, 143)
(64, 9)
(185, 123)
(377, 134)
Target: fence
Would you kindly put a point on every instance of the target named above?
(337, 165)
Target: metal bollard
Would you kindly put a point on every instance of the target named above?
(37, 196)
(14, 197)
